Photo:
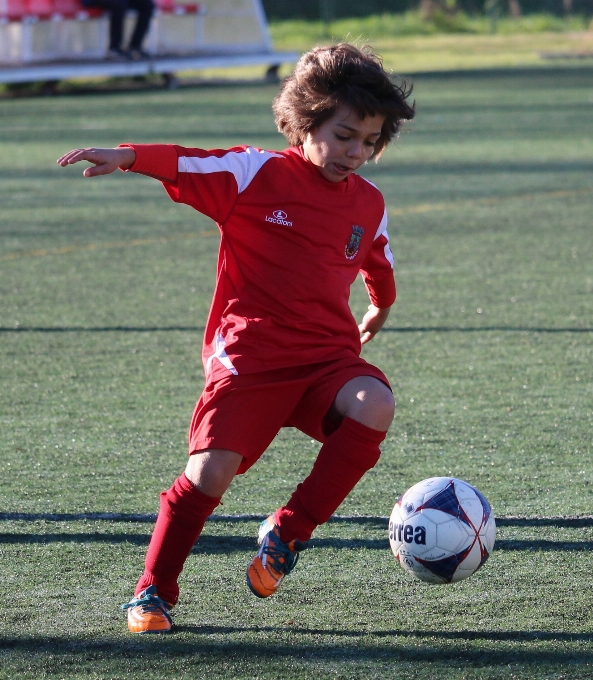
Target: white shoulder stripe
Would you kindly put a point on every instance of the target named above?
(382, 231)
(244, 165)
(369, 181)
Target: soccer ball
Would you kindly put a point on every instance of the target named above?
(442, 530)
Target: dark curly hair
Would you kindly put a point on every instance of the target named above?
(340, 75)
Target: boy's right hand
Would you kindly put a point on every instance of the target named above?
(105, 161)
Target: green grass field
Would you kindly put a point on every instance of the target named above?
(410, 43)
(105, 286)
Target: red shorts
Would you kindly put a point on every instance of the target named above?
(243, 413)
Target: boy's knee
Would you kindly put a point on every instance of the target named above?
(368, 401)
(212, 470)
(384, 403)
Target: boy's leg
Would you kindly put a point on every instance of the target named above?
(233, 423)
(366, 406)
(184, 509)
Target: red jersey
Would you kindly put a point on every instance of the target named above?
(292, 244)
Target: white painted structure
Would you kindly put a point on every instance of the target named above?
(56, 39)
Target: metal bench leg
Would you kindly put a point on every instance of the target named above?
(272, 73)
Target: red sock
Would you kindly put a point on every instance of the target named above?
(342, 461)
(184, 511)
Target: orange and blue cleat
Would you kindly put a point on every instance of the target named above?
(147, 613)
(273, 561)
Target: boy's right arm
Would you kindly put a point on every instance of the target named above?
(105, 161)
(208, 181)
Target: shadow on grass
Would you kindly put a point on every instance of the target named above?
(102, 329)
(480, 168)
(274, 645)
(228, 544)
(558, 73)
(200, 329)
(501, 636)
(369, 520)
(387, 168)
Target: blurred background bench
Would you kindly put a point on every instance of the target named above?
(56, 39)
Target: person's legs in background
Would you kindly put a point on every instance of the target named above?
(117, 13)
(145, 9)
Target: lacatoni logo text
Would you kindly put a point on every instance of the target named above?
(279, 217)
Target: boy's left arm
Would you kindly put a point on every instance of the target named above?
(377, 274)
(372, 322)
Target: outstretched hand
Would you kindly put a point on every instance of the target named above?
(105, 161)
(372, 322)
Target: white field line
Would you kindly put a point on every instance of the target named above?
(131, 517)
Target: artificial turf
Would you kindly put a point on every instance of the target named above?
(105, 286)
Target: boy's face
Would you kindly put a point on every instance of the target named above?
(343, 143)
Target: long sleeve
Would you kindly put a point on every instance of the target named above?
(208, 181)
(377, 269)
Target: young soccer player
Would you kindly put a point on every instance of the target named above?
(281, 347)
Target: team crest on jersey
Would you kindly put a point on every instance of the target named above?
(354, 244)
